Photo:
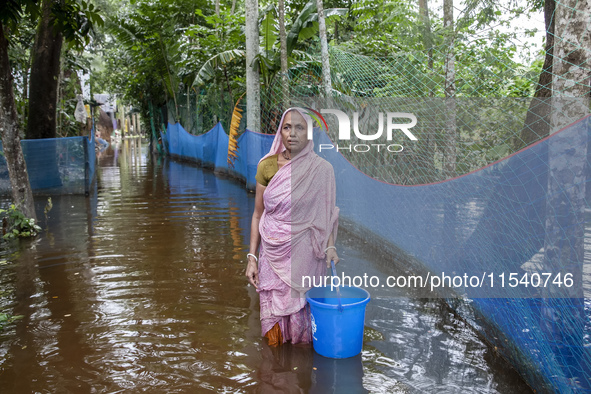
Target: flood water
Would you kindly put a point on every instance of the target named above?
(140, 287)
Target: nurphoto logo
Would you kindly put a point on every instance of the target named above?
(344, 133)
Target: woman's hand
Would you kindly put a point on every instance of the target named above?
(252, 269)
(331, 254)
(252, 272)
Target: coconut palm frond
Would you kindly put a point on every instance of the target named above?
(233, 133)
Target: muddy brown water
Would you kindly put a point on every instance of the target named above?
(140, 287)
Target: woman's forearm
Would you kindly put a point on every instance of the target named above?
(259, 207)
(330, 240)
(255, 237)
(252, 271)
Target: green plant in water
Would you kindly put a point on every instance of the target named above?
(16, 225)
(48, 207)
(6, 319)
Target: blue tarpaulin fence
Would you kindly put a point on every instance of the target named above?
(494, 221)
(56, 165)
(211, 150)
(525, 214)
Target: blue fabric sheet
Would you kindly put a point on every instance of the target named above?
(519, 215)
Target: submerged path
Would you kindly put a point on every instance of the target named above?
(140, 288)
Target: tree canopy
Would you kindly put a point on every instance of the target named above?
(177, 55)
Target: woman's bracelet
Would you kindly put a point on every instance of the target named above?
(330, 247)
(255, 257)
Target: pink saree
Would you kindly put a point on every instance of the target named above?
(299, 216)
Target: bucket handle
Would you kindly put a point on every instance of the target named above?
(334, 273)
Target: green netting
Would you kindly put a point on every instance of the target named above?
(485, 129)
(200, 110)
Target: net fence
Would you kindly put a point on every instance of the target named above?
(56, 165)
(455, 135)
(199, 110)
(495, 207)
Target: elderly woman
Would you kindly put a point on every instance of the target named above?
(295, 223)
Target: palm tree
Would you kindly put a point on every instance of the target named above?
(450, 92)
(283, 49)
(326, 82)
(253, 88)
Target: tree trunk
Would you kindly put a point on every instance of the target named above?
(60, 105)
(537, 121)
(9, 127)
(217, 7)
(25, 105)
(133, 123)
(44, 78)
(428, 147)
(566, 219)
(43, 98)
(253, 85)
(426, 32)
(231, 95)
(189, 119)
(122, 121)
(222, 113)
(283, 47)
(233, 7)
(567, 178)
(449, 154)
(173, 87)
(571, 63)
(326, 81)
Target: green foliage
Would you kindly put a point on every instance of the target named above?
(151, 59)
(179, 54)
(6, 319)
(303, 30)
(383, 27)
(269, 27)
(19, 57)
(75, 20)
(208, 70)
(16, 225)
(12, 11)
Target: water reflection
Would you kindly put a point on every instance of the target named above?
(337, 376)
(141, 287)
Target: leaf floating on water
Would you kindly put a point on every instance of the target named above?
(68, 315)
(370, 334)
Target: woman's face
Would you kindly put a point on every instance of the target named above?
(294, 132)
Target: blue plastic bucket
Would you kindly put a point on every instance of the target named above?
(337, 334)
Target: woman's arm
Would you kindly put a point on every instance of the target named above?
(252, 269)
(331, 251)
